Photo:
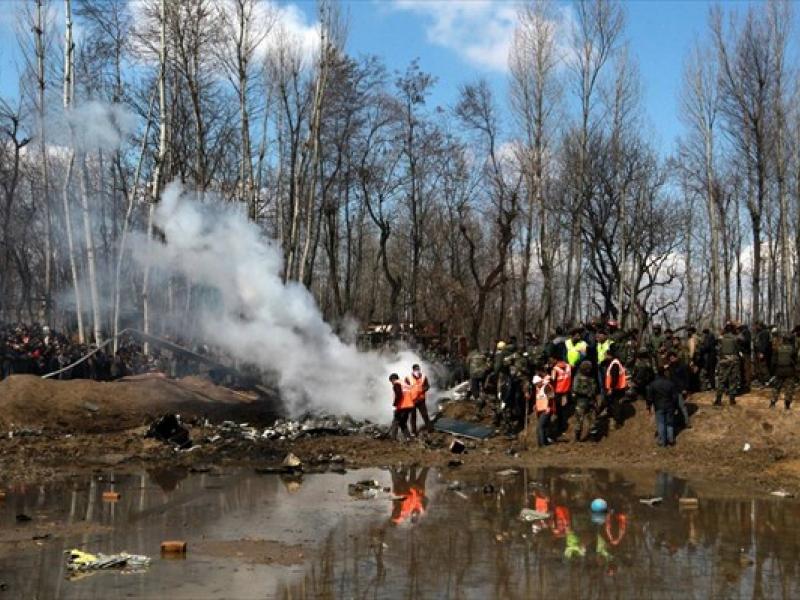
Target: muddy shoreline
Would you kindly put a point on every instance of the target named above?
(111, 438)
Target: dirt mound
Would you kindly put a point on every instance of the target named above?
(731, 443)
(85, 406)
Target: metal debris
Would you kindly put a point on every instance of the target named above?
(529, 515)
(651, 501)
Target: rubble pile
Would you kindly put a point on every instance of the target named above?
(172, 430)
(307, 425)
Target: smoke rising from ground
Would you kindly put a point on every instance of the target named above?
(257, 319)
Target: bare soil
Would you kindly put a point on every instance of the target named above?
(95, 426)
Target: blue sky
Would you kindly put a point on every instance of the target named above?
(461, 41)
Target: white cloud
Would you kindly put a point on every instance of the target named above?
(479, 31)
(282, 21)
(294, 23)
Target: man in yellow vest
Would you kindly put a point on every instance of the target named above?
(603, 346)
(576, 349)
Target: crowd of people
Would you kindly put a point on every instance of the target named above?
(39, 350)
(594, 373)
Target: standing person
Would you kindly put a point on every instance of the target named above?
(478, 365)
(655, 342)
(708, 360)
(615, 385)
(729, 365)
(544, 406)
(561, 376)
(419, 385)
(745, 340)
(558, 345)
(584, 394)
(785, 369)
(763, 353)
(662, 395)
(679, 375)
(642, 375)
(576, 348)
(516, 366)
(403, 405)
(603, 345)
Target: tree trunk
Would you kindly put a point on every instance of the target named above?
(69, 87)
(91, 260)
(159, 170)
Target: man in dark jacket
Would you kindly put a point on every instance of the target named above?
(662, 395)
(763, 353)
(745, 339)
(785, 368)
(707, 360)
(679, 375)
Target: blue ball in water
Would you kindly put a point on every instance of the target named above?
(599, 505)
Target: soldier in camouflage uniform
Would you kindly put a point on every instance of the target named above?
(785, 369)
(728, 366)
(654, 344)
(478, 365)
(642, 375)
(625, 345)
(515, 364)
(584, 394)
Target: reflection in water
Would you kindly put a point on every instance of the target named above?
(424, 542)
(408, 486)
(473, 545)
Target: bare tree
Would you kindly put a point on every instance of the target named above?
(160, 160)
(598, 27)
(747, 81)
(535, 95)
(700, 109)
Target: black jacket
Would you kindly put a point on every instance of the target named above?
(662, 394)
(679, 375)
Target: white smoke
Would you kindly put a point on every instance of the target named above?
(261, 321)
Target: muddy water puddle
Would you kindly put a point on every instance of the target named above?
(417, 533)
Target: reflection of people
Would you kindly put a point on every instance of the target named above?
(621, 520)
(573, 547)
(409, 486)
(562, 521)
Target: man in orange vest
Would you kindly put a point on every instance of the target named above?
(418, 383)
(561, 378)
(614, 386)
(403, 405)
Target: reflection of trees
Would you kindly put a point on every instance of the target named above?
(478, 547)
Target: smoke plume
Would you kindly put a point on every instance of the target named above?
(257, 319)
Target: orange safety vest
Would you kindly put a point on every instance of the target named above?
(562, 521)
(408, 396)
(410, 505)
(562, 374)
(622, 380)
(543, 401)
(417, 387)
(622, 525)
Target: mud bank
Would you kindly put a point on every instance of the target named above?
(88, 426)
